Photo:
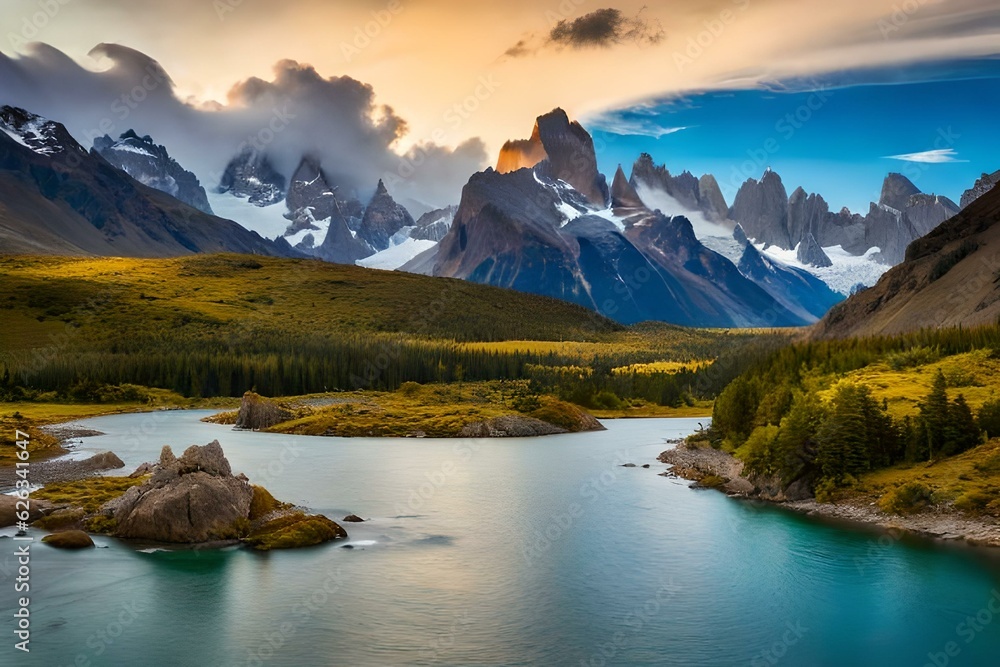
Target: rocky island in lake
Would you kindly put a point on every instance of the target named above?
(192, 500)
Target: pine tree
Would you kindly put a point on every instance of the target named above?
(961, 432)
(843, 437)
(934, 417)
(989, 418)
(796, 445)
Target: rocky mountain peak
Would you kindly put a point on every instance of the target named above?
(896, 191)
(250, 174)
(570, 156)
(383, 218)
(761, 207)
(710, 196)
(151, 165)
(623, 195)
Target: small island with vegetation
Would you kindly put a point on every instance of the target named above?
(468, 410)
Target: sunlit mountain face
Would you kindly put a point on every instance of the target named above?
(835, 134)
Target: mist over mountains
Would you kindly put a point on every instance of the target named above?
(297, 111)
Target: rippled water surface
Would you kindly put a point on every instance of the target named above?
(503, 552)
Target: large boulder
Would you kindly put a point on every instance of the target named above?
(209, 459)
(9, 510)
(69, 539)
(196, 499)
(191, 499)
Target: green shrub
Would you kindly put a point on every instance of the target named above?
(973, 502)
(906, 499)
(410, 389)
(712, 482)
(607, 400)
(915, 356)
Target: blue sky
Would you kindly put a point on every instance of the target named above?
(833, 135)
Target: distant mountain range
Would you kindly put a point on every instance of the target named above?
(58, 198)
(316, 216)
(652, 245)
(555, 228)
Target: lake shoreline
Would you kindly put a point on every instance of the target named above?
(937, 524)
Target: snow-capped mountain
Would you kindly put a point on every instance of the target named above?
(152, 165)
(58, 198)
(318, 217)
(251, 175)
(43, 136)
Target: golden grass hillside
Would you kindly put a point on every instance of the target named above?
(975, 375)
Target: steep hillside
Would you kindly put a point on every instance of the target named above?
(950, 277)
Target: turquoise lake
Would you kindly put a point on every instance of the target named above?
(502, 552)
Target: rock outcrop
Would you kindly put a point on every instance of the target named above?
(692, 194)
(9, 510)
(510, 426)
(196, 499)
(896, 191)
(810, 252)
(257, 413)
(190, 499)
(711, 199)
(623, 195)
(570, 156)
(981, 187)
(761, 207)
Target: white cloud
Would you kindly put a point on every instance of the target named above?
(937, 156)
(656, 199)
(643, 127)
